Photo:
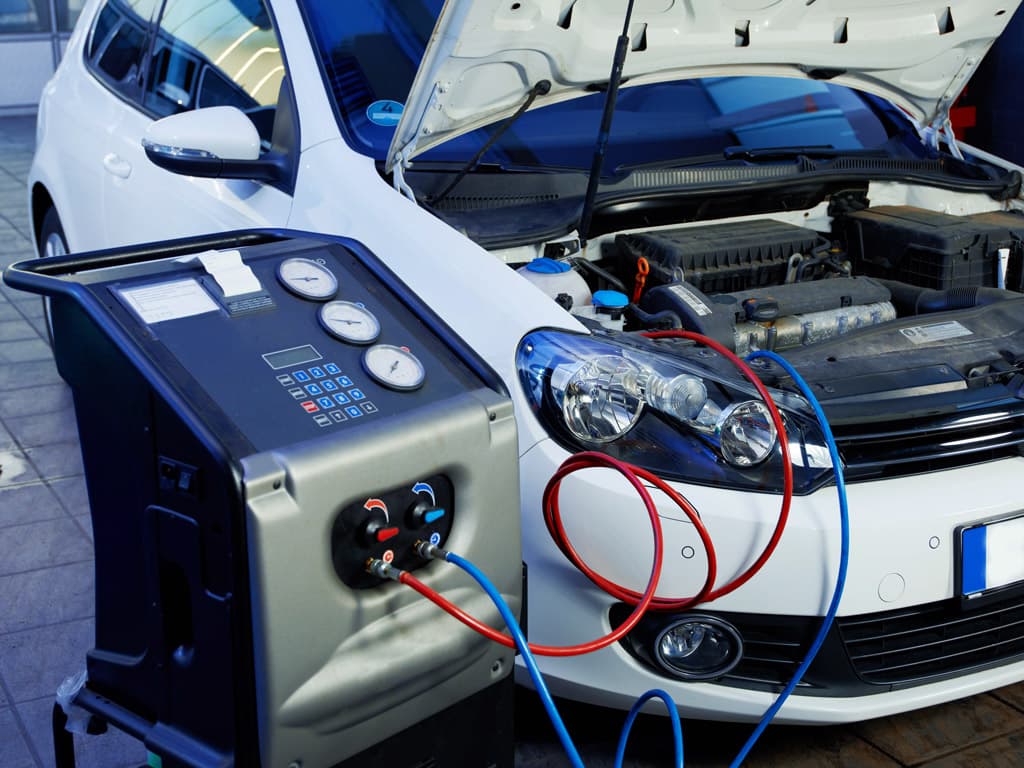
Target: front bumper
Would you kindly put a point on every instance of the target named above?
(901, 567)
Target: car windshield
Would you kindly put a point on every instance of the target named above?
(369, 52)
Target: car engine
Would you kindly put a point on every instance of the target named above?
(767, 284)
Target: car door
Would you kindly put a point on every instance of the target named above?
(204, 53)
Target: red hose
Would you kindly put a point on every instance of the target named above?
(574, 463)
(787, 466)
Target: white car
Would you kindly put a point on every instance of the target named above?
(778, 175)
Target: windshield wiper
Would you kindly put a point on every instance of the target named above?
(787, 153)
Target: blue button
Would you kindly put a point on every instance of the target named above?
(345, 381)
(433, 515)
(318, 373)
(342, 398)
(313, 389)
(301, 376)
(354, 411)
(332, 369)
(328, 385)
(357, 394)
(325, 402)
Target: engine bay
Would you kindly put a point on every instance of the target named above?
(769, 284)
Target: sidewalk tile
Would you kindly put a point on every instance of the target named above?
(1007, 752)
(15, 469)
(34, 662)
(49, 596)
(929, 734)
(25, 351)
(43, 428)
(16, 330)
(14, 752)
(42, 545)
(1012, 695)
(31, 503)
(33, 399)
(35, 374)
(56, 460)
(73, 494)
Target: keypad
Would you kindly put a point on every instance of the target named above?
(321, 389)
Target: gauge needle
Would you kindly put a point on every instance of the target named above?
(336, 319)
(393, 366)
(307, 279)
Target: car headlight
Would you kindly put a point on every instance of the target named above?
(687, 414)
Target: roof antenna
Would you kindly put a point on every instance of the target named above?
(621, 48)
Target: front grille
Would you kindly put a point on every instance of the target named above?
(927, 444)
(915, 645)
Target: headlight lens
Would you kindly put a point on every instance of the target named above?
(675, 414)
(600, 397)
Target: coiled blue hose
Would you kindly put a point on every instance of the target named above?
(844, 555)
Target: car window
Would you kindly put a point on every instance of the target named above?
(118, 43)
(214, 53)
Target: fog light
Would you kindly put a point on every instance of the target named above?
(698, 648)
(746, 434)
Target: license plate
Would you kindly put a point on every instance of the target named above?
(991, 557)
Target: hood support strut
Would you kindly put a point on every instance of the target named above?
(621, 48)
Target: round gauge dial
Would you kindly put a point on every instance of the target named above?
(350, 322)
(394, 367)
(307, 278)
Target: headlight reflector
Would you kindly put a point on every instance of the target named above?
(747, 435)
(599, 397)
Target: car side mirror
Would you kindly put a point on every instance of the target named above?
(212, 142)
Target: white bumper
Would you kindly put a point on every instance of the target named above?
(901, 555)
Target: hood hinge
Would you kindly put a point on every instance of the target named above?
(398, 174)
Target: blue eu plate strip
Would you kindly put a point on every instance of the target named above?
(974, 560)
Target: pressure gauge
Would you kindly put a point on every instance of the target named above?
(307, 278)
(394, 367)
(350, 322)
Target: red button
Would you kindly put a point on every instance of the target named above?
(310, 406)
(387, 533)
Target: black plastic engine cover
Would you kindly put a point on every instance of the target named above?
(720, 257)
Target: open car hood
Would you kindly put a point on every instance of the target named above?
(484, 56)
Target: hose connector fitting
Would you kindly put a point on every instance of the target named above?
(429, 551)
(377, 567)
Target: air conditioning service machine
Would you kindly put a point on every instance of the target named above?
(261, 414)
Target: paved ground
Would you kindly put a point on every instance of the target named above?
(46, 602)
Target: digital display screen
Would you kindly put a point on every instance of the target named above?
(287, 358)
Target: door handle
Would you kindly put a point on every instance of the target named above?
(117, 165)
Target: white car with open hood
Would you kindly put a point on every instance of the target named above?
(778, 175)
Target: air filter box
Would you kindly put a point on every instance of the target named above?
(933, 250)
(718, 258)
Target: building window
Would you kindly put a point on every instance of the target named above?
(24, 16)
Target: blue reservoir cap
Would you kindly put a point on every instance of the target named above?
(546, 266)
(610, 299)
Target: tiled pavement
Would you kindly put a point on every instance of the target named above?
(46, 604)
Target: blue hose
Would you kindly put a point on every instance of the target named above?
(844, 555)
(524, 650)
(673, 713)
(542, 689)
